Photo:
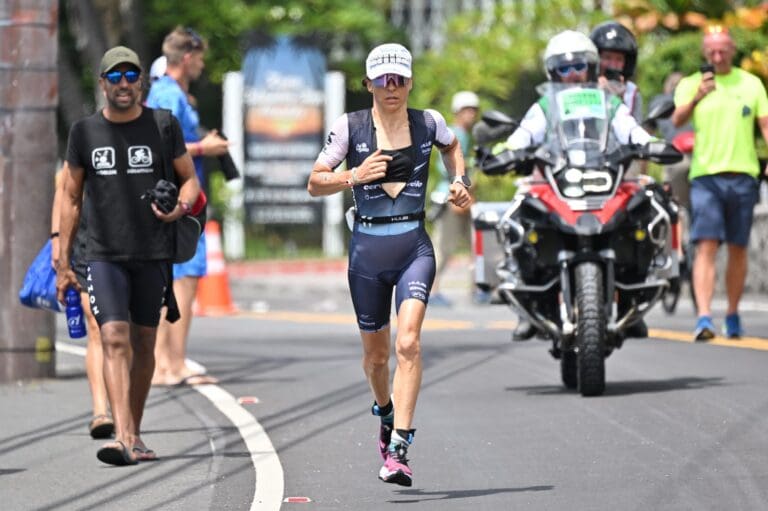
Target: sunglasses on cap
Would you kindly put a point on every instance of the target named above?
(383, 80)
(567, 69)
(114, 77)
(195, 43)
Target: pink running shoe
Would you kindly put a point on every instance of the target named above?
(396, 469)
(385, 435)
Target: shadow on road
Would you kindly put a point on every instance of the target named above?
(627, 387)
(463, 494)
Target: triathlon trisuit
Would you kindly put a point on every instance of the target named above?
(396, 252)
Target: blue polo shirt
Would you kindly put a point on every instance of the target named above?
(167, 93)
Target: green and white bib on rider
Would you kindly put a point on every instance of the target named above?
(579, 103)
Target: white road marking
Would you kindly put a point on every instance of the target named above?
(270, 484)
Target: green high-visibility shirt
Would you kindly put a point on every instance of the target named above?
(724, 122)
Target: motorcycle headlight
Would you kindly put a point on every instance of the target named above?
(597, 181)
(573, 191)
(573, 176)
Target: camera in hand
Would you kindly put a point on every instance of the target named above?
(227, 164)
(707, 68)
(613, 74)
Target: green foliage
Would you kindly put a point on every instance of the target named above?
(501, 62)
(226, 23)
(663, 54)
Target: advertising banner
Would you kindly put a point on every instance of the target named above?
(283, 92)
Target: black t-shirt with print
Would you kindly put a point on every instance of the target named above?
(122, 161)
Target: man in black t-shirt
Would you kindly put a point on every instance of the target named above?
(117, 154)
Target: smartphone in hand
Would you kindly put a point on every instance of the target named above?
(707, 68)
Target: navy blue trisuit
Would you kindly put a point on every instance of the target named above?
(393, 250)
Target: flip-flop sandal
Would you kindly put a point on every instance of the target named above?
(116, 455)
(196, 379)
(101, 427)
(144, 454)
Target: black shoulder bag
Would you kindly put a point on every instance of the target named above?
(188, 228)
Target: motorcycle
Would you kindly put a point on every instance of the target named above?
(580, 251)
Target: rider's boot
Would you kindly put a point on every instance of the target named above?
(523, 331)
(637, 330)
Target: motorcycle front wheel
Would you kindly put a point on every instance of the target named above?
(590, 329)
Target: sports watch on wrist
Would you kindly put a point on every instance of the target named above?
(462, 180)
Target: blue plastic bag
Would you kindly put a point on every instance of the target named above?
(39, 287)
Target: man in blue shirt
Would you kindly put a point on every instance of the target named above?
(184, 50)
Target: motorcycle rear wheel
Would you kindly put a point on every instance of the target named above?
(590, 328)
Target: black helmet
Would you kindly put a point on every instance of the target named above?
(613, 36)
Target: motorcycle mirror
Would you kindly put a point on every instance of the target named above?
(496, 118)
(661, 152)
(660, 110)
(485, 134)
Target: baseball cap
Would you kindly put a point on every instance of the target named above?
(464, 99)
(116, 56)
(157, 70)
(388, 58)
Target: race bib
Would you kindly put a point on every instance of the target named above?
(581, 103)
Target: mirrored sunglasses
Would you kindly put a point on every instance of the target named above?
(383, 80)
(114, 77)
(576, 67)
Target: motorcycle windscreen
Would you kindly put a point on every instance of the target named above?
(581, 118)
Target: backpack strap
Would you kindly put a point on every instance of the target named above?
(163, 121)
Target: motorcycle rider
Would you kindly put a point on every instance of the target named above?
(617, 48)
(571, 57)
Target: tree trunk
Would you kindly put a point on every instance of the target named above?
(28, 98)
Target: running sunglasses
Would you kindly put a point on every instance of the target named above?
(383, 80)
(114, 77)
(566, 69)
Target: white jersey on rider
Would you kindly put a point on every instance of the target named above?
(533, 127)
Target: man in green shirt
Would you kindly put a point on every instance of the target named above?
(722, 106)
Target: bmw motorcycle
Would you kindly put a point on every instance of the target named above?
(581, 250)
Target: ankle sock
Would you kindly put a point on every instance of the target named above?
(402, 436)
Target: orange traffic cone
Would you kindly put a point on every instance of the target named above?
(213, 297)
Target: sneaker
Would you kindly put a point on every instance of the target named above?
(705, 330)
(439, 300)
(396, 469)
(385, 436)
(385, 429)
(732, 327)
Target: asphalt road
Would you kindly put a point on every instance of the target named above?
(681, 425)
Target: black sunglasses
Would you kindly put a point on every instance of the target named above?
(114, 77)
(194, 44)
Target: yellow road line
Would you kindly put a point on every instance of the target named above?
(348, 319)
(755, 343)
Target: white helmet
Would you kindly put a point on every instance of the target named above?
(464, 99)
(568, 47)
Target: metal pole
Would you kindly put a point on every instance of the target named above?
(28, 98)
(232, 125)
(333, 216)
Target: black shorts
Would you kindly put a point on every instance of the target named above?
(377, 264)
(128, 291)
